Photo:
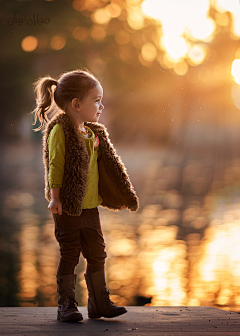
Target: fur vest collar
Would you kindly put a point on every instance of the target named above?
(114, 186)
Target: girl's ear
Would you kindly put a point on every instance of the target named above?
(76, 104)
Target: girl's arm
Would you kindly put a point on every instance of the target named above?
(56, 143)
(55, 206)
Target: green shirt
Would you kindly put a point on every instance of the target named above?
(56, 145)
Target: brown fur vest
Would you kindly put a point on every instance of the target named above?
(114, 185)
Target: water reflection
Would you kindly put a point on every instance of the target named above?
(39, 258)
(217, 272)
(181, 248)
(28, 275)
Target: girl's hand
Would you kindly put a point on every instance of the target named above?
(55, 206)
(123, 207)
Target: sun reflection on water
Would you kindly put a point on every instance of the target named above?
(28, 276)
(38, 257)
(217, 272)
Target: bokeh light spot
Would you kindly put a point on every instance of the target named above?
(113, 10)
(101, 16)
(79, 5)
(135, 19)
(197, 54)
(80, 33)
(149, 52)
(98, 33)
(58, 42)
(181, 68)
(29, 43)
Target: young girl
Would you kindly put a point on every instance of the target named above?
(82, 171)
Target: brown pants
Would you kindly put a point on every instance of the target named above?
(76, 234)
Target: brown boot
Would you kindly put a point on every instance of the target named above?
(67, 310)
(99, 303)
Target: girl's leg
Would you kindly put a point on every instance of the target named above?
(92, 241)
(67, 231)
(93, 249)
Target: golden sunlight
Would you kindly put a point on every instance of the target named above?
(220, 250)
(179, 19)
(28, 274)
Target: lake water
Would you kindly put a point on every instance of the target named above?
(180, 248)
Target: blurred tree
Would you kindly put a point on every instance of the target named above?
(145, 93)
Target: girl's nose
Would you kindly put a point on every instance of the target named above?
(101, 106)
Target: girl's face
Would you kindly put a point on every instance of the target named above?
(91, 107)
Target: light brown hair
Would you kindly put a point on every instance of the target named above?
(70, 85)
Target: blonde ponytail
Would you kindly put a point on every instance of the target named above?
(44, 99)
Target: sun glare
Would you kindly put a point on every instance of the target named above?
(175, 46)
(227, 6)
(180, 20)
(202, 29)
(193, 22)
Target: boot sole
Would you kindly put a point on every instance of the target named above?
(99, 316)
(77, 319)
